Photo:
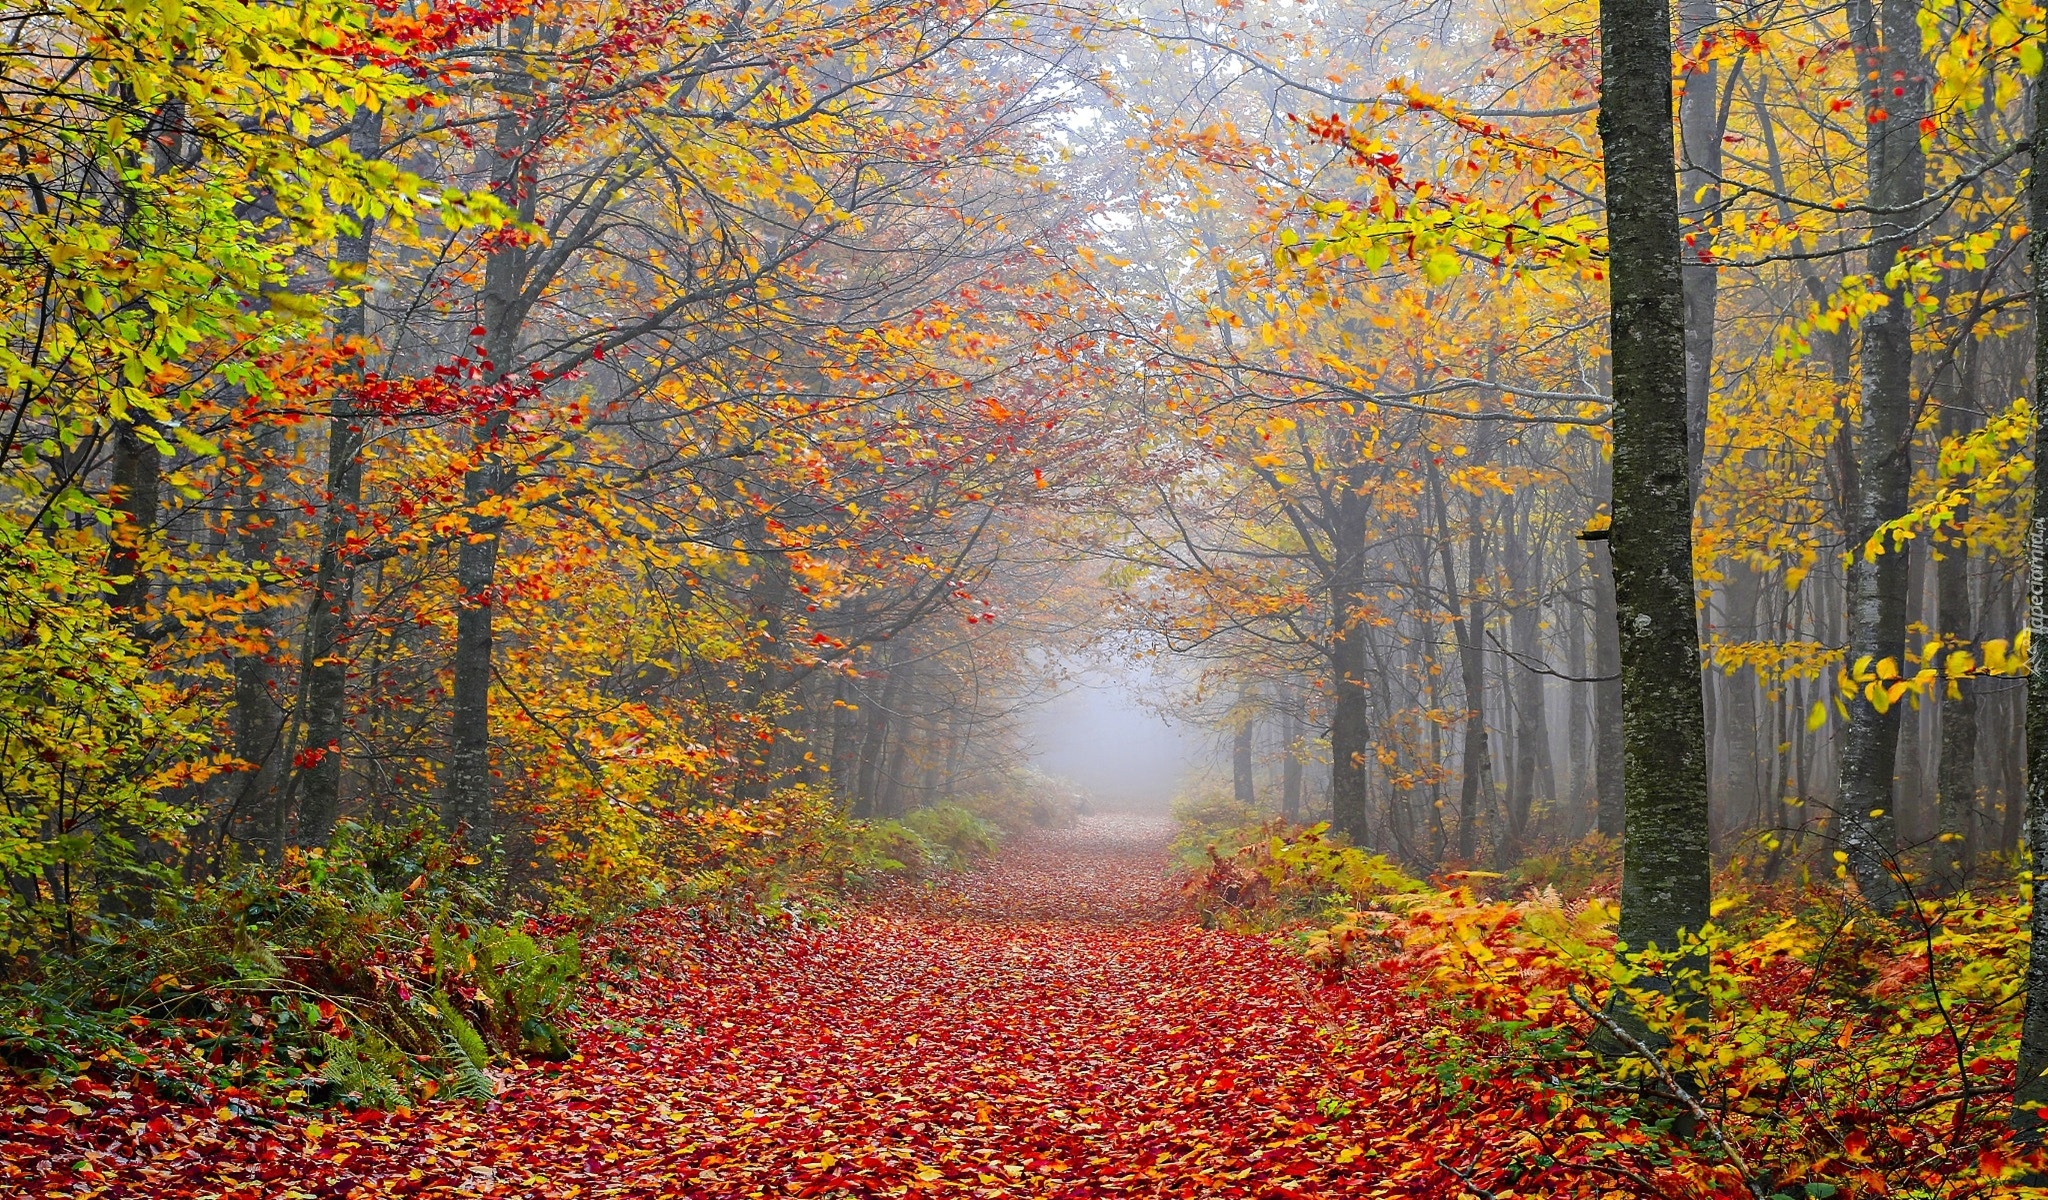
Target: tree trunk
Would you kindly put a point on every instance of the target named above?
(867, 799)
(1532, 733)
(1609, 754)
(1579, 727)
(896, 771)
(1290, 766)
(1471, 671)
(1956, 778)
(1350, 743)
(1666, 866)
(328, 616)
(2030, 1097)
(1887, 47)
(1699, 199)
(1241, 785)
(137, 483)
(469, 803)
(1465, 623)
(258, 717)
(1740, 732)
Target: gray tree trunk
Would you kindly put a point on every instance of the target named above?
(1243, 789)
(1699, 199)
(328, 617)
(137, 480)
(1610, 783)
(1956, 786)
(1666, 866)
(1532, 733)
(1472, 673)
(258, 717)
(469, 803)
(1290, 766)
(1956, 779)
(1579, 726)
(878, 710)
(1887, 41)
(2031, 1094)
(1350, 735)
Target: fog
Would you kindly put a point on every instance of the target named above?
(1106, 732)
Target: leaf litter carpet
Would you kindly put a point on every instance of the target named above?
(1049, 1025)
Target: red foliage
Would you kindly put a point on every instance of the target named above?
(1051, 1026)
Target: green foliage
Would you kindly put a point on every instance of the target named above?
(941, 838)
(363, 972)
(365, 1069)
(955, 834)
(90, 746)
(798, 852)
(1020, 799)
(1271, 877)
(1205, 819)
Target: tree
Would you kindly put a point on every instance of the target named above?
(1666, 866)
(2030, 1094)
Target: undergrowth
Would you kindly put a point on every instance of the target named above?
(386, 967)
(1841, 1052)
(369, 972)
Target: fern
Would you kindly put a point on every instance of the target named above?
(463, 1048)
(366, 1067)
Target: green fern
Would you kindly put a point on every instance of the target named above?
(365, 1067)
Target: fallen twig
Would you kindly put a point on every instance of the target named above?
(1669, 1080)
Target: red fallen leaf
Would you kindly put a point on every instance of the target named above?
(1053, 1025)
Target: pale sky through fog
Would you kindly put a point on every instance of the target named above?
(1118, 751)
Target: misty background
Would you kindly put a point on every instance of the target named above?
(1106, 731)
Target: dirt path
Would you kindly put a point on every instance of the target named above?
(1046, 1026)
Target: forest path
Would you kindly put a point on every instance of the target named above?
(1048, 1024)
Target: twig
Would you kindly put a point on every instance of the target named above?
(1669, 1080)
(1470, 1184)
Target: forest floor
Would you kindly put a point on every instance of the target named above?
(1049, 1024)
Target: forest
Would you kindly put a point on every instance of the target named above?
(532, 533)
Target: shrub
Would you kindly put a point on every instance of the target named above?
(1019, 800)
(1840, 1051)
(958, 834)
(1272, 878)
(362, 972)
(91, 744)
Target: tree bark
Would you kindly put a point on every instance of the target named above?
(1532, 731)
(2030, 1097)
(896, 770)
(1475, 764)
(137, 484)
(1887, 49)
(1956, 778)
(1290, 766)
(1350, 741)
(1241, 784)
(1579, 728)
(469, 803)
(1956, 785)
(868, 793)
(1610, 785)
(1666, 867)
(1699, 199)
(328, 614)
(258, 717)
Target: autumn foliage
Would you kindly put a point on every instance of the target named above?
(1840, 1053)
(530, 531)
